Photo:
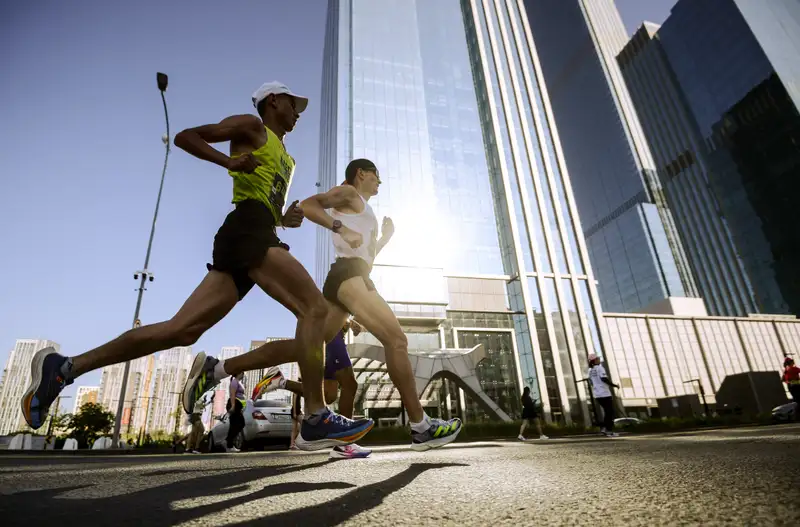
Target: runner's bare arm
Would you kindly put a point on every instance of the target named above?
(338, 197)
(197, 141)
(387, 231)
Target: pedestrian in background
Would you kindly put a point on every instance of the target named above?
(530, 415)
(601, 390)
(236, 402)
(297, 418)
(791, 376)
(198, 430)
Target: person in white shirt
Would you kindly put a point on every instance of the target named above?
(235, 406)
(601, 390)
(346, 212)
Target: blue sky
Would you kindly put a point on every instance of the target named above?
(81, 155)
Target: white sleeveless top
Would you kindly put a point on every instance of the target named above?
(365, 223)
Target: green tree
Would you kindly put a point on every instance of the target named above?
(91, 422)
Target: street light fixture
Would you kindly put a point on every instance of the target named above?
(594, 418)
(53, 418)
(143, 428)
(144, 275)
(702, 394)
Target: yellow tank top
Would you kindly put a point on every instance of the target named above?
(270, 181)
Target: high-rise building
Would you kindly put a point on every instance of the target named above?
(16, 377)
(141, 384)
(137, 391)
(634, 246)
(683, 169)
(447, 98)
(228, 352)
(171, 370)
(717, 87)
(85, 395)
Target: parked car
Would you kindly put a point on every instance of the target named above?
(785, 413)
(263, 420)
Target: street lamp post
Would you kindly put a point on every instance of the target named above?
(177, 412)
(145, 274)
(146, 414)
(702, 394)
(594, 417)
(53, 418)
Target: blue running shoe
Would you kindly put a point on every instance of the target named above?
(332, 430)
(438, 434)
(47, 381)
(200, 380)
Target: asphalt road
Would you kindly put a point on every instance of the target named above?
(728, 477)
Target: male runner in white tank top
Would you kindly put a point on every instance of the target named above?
(349, 289)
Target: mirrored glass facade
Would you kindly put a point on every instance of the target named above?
(717, 88)
(635, 248)
(682, 167)
(446, 97)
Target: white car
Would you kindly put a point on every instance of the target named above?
(785, 413)
(263, 420)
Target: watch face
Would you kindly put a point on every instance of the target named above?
(337, 224)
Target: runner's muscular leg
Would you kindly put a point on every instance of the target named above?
(208, 304)
(272, 353)
(346, 379)
(267, 355)
(280, 352)
(280, 266)
(330, 389)
(333, 324)
(377, 317)
(335, 320)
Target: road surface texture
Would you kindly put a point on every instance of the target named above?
(725, 477)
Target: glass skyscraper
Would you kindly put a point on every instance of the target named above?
(447, 98)
(634, 246)
(717, 87)
(683, 168)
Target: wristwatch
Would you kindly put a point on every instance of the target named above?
(337, 226)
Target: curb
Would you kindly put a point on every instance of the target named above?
(392, 446)
(88, 452)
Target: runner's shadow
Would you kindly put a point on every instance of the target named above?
(341, 509)
(152, 506)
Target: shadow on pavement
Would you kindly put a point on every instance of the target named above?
(452, 446)
(43, 460)
(339, 510)
(568, 440)
(153, 506)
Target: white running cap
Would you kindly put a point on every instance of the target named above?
(592, 356)
(279, 88)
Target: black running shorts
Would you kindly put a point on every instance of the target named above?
(242, 242)
(344, 269)
(530, 413)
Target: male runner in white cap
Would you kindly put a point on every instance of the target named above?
(247, 251)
